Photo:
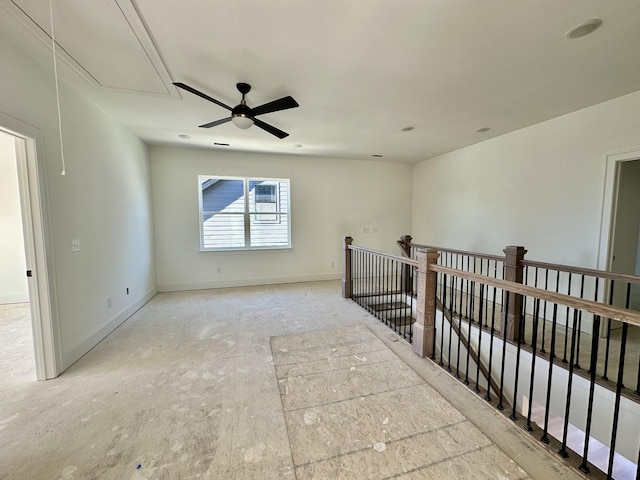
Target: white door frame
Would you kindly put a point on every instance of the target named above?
(610, 204)
(609, 207)
(37, 238)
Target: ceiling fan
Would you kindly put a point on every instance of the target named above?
(242, 115)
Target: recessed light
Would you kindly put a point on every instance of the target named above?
(221, 144)
(584, 28)
(483, 129)
(377, 155)
(297, 145)
(185, 136)
(407, 129)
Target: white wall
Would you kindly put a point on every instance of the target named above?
(104, 201)
(329, 199)
(540, 187)
(13, 281)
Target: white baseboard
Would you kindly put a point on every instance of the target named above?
(247, 282)
(75, 354)
(14, 298)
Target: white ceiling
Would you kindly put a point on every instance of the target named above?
(361, 70)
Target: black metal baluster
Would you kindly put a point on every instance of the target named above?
(457, 293)
(413, 299)
(616, 408)
(473, 295)
(459, 333)
(444, 305)
(577, 365)
(376, 286)
(544, 312)
(493, 319)
(468, 299)
(365, 279)
(479, 338)
(401, 293)
(595, 299)
(369, 280)
(500, 406)
(552, 354)
(563, 449)
(523, 313)
(592, 383)
(608, 339)
(486, 304)
(566, 325)
(514, 415)
(536, 316)
(466, 369)
(454, 286)
(435, 302)
(535, 284)
(387, 290)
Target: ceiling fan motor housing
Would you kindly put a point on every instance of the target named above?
(241, 110)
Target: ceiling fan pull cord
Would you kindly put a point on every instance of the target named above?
(55, 74)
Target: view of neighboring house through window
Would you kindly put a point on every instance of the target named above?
(244, 213)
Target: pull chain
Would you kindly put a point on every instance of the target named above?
(55, 74)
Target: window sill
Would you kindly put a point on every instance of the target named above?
(244, 249)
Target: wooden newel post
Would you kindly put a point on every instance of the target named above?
(406, 278)
(513, 271)
(423, 328)
(347, 281)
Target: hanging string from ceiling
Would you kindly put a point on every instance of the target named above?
(55, 74)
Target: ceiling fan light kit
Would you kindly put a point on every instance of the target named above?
(242, 116)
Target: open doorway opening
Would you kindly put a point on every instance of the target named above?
(625, 238)
(619, 250)
(16, 338)
(34, 261)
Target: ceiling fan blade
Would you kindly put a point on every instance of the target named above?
(200, 94)
(270, 128)
(280, 104)
(216, 123)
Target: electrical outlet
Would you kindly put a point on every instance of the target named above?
(75, 245)
(219, 271)
(109, 303)
(333, 264)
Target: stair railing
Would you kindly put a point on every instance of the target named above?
(525, 372)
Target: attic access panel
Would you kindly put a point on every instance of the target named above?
(106, 42)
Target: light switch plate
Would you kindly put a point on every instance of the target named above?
(75, 245)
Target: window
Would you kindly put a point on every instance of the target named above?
(244, 213)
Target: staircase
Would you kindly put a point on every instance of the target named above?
(520, 335)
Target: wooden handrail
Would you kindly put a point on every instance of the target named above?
(405, 260)
(582, 271)
(487, 256)
(549, 266)
(606, 311)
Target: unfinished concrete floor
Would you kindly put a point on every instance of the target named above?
(259, 382)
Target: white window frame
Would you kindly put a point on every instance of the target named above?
(249, 210)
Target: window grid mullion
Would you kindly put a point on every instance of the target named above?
(247, 215)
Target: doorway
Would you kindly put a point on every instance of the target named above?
(27, 233)
(17, 364)
(625, 234)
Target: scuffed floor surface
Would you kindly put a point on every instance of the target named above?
(354, 410)
(187, 388)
